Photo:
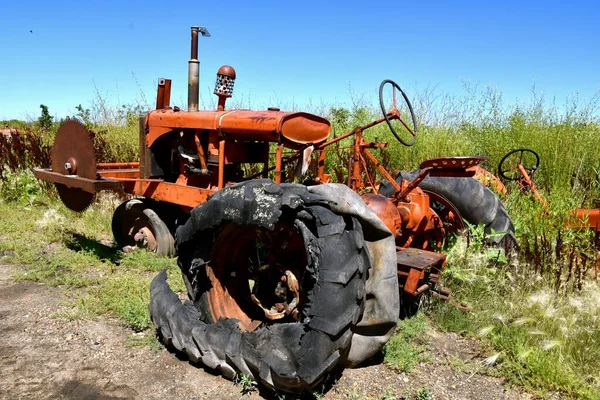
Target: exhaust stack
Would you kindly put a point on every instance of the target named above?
(194, 69)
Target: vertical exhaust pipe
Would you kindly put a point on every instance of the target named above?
(194, 69)
(194, 73)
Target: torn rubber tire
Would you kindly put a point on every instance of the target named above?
(291, 355)
(475, 203)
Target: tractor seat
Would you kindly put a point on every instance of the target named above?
(452, 166)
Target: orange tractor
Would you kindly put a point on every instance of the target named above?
(286, 281)
(520, 165)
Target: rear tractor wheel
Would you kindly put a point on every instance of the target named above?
(276, 281)
(451, 218)
(136, 225)
(456, 199)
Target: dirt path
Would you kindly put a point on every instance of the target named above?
(45, 356)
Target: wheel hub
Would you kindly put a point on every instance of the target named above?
(255, 275)
(287, 285)
(144, 237)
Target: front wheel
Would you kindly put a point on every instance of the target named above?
(136, 225)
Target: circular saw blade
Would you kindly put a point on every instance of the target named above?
(73, 154)
(74, 199)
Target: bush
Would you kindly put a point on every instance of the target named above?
(21, 187)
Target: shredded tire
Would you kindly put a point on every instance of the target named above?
(475, 203)
(287, 356)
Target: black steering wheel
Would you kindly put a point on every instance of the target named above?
(510, 171)
(395, 114)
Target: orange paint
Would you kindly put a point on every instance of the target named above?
(293, 128)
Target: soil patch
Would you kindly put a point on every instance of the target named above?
(45, 354)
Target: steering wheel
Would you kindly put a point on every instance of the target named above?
(510, 171)
(395, 114)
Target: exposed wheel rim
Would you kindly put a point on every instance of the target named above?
(142, 236)
(249, 274)
(137, 231)
(449, 215)
(135, 225)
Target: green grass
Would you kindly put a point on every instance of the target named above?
(423, 393)
(246, 383)
(124, 295)
(542, 340)
(75, 252)
(146, 340)
(407, 347)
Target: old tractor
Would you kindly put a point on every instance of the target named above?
(520, 165)
(286, 281)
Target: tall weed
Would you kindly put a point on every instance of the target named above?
(543, 339)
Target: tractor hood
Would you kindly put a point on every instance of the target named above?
(291, 128)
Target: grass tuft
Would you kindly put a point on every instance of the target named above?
(126, 296)
(544, 341)
(407, 347)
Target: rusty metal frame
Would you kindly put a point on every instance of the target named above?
(117, 165)
(117, 180)
(527, 183)
(77, 182)
(591, 215)
(278, 162)
(120, 173)
(446, 166)
(417, 266)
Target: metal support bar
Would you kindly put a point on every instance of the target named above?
(163, 93)
(382, 170)
(532, 187)
(116, 165)
(414, 183)
(74, 181)
(321, 163)
(278, 159)
(356, 182)
(120, 173)
(221, 182)
(185, 196)
(201, 154)
(344, 136)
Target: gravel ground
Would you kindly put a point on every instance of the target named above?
(44, 355)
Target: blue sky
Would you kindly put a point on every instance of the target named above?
(288, 53)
